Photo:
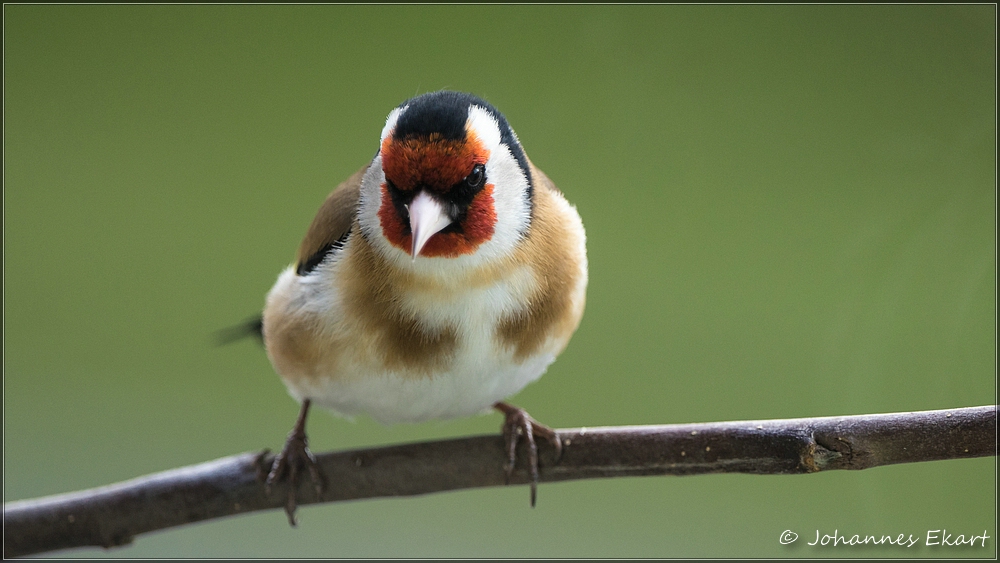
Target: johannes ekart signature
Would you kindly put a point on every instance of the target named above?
(931, 538)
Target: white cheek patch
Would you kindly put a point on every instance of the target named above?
(370, 200)
(510, 185)
(484, 126)
(390, 122)
(510, 200)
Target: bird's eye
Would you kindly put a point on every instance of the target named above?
(476, 177)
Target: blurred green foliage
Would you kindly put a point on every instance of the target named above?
(791, 212)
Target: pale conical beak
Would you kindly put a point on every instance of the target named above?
(427, 216)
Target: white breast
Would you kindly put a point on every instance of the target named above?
(481, 372)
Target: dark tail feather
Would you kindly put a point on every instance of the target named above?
(250, 327)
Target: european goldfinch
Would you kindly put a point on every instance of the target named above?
(444, 276)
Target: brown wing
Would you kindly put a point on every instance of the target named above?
(555, 249)
(540, 179)
(332, 223)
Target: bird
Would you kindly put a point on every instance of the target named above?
(438, 280)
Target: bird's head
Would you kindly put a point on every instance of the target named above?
(450, 181)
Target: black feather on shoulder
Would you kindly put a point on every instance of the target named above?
(303, 268)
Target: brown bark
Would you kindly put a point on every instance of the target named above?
(115, 514)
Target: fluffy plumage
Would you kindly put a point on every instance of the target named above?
(374, 320)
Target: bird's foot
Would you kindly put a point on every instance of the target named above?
(289, 462)
(518, 423)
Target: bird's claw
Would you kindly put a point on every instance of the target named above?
(288, 463)
(293, 456)
(518, 423)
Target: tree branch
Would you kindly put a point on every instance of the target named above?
(113, 515)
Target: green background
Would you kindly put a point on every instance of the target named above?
(791, 212)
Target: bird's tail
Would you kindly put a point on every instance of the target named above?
(253, 326)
